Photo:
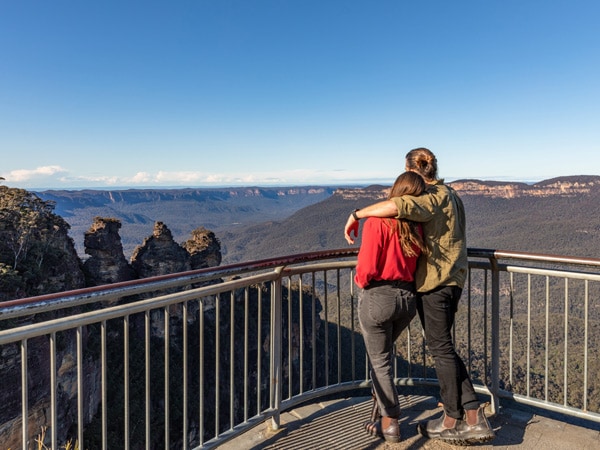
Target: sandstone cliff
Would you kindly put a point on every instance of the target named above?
(559, 187)
(37, 256)
(159, 254)
(204, 249)
(106, 263)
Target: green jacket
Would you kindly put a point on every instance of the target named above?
(442, 213)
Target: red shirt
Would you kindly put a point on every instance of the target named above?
(380, 256)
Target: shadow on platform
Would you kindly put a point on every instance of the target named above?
(338, 424)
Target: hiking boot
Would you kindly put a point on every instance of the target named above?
(390, 434)
(465, 434)
(433, 429)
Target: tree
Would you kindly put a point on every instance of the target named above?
(26, 221)
(36, 253)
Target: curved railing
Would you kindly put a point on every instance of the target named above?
(239, 344)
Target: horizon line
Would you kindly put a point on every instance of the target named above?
(361, 183)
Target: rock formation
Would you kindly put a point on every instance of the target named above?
(106, 263)
(58, 268)
(37, 256)
(159, 254)
(204, 249)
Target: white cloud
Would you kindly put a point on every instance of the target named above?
(21, 175)
(141, 177)
(185, 177)
(98, 180)
(56, 177)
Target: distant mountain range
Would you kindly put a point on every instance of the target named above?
(183, 210)
(559, 216)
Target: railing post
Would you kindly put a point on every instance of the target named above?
(495, 375)
(24, 396)
(276, 348)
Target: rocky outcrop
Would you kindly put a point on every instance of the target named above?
(60, 268)
(204, 249)
(37, 255)
(106, 263)
(51, 252)
(159, 254)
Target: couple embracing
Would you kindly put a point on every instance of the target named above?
(413, 258)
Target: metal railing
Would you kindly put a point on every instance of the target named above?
(192, 360)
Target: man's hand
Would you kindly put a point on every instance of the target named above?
(350, 229)
(386, 208)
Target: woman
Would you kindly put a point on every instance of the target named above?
(439, 280)
(387, 300)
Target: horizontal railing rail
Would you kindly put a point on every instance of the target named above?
(545, 329)
(191, 360)
(105, 293)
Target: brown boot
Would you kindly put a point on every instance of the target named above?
(467, 434)
(387, 428)
(434, 428)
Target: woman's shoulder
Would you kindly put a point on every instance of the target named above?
(376, 223)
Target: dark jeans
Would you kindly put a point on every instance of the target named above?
(384, 310)
(437, 309)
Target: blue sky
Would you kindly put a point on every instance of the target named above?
(276, 92)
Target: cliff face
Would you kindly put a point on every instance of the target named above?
(560, 187)
(60, 270)
(217, 209)
(67, 201)
(39, 382)
(37, 256)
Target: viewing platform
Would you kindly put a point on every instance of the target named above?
(268, 355)
(336, 424)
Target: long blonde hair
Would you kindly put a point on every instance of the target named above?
(407, 183)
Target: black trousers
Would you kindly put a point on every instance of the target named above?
(437, 309)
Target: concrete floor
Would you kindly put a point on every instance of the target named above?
(337, 424)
